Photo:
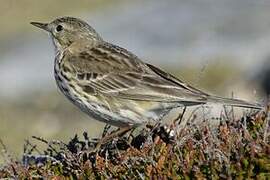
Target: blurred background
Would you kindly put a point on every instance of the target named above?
(219, 46)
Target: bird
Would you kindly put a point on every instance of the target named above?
(113, 85)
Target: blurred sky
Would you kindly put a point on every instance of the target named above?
(226, 39)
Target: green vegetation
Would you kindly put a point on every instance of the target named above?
(234, 148)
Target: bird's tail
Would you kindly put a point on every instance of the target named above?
(234, 102)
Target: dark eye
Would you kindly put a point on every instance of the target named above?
(59, 28)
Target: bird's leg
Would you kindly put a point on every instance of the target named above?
(105, 130)
(107, 138)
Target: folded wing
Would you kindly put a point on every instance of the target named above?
(113, 71)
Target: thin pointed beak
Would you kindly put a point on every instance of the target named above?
(40, 25)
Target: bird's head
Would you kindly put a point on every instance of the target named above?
(67, 30)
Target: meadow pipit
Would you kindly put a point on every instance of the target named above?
(113, 85)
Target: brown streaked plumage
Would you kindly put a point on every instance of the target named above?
(113, 85)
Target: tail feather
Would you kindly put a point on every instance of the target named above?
(234, 102)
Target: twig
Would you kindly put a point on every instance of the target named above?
(266, 126)
(180, 116)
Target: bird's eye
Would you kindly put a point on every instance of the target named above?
(59, 28)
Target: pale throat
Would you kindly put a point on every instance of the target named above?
(57, 45)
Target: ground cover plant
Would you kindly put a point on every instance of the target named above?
(232, 148)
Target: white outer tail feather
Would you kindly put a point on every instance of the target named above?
(234, 102)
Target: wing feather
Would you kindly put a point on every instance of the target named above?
(114, 71)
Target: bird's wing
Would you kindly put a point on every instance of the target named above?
(114, 71)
